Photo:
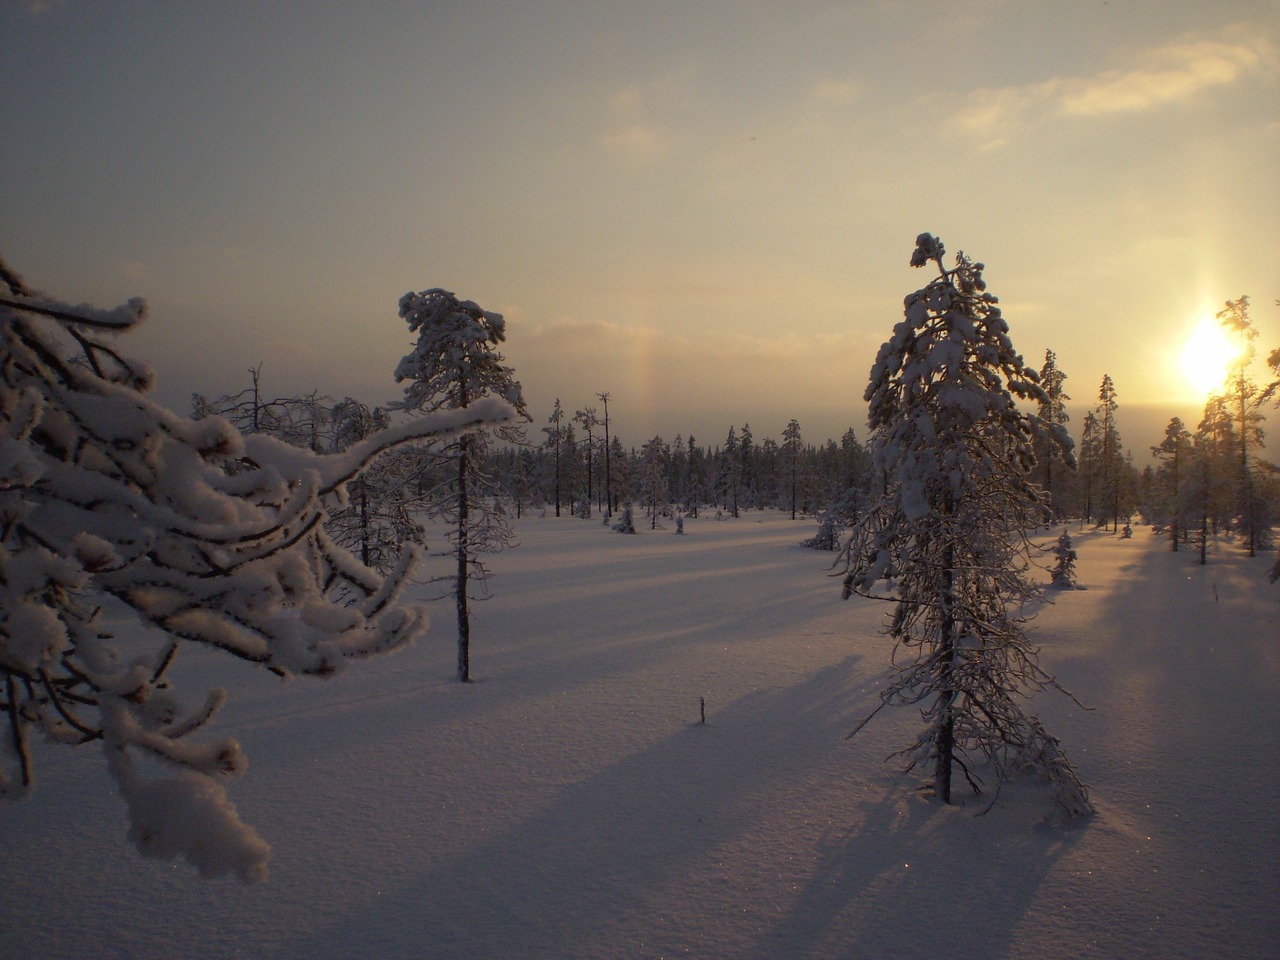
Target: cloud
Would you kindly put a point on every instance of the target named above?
(1171, 74)
(630, 130)
(1162, 77)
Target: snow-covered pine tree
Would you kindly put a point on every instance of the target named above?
(1087, 473)
(1063, 573)
(1245, 399)
(1215, 471)
(111, 502)
(828, 535)
(1054, 465)
(454, 365)
(729, 473)
(627, 522)
(653, 478)
(696, 491)
(555, 442)
(588, 420)
(950, 530)
(1174, 452)
(604, 398)
(1112, 468)
(792, 448)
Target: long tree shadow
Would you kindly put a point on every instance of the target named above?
(1181, 665)
(698, 620)
(546, 886)
(919, 880)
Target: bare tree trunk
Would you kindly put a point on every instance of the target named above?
(1204, 515)
(946, 682)
(460, 593)
(364, 523)
(1246, 482)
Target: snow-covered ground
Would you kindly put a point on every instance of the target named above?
(570, 803)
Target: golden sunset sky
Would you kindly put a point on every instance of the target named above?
(705, 208)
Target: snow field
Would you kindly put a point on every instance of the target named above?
(569, 804)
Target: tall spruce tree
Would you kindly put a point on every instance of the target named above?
(956, 455)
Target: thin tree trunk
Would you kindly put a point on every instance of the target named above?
(464, 623)
(364, 523)
(1246, 485)
(557, 473)
(1204, 516)
(946, 683)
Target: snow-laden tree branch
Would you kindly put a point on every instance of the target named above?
(110, 502)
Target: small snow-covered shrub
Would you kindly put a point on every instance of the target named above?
(1063, 573)
(627, 522)
(828, 535)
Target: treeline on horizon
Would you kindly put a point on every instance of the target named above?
(1204, 480)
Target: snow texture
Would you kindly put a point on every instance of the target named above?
(570, 805)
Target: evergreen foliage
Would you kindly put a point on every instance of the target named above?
(946, 541)
(1063, 574)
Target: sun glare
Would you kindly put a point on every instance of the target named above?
(1205, 358)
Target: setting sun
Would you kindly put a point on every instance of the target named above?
(1205, 357)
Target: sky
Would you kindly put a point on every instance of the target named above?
(706, 210)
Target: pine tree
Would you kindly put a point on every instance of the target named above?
(1173, 452)
(608, 457)
(1063, 573)
(1215, 472)
(730, 472)
(454, 365)
(1054, 463)
(588, 420)
(792, 447)
(1089, 469)
(1244, 399)
(747, 472)
(653, 478)
(696, 491)
(627, 522)
(956, 454)
(1111, 472)
(555, 440)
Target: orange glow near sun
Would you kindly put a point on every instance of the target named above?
(1205, 358)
